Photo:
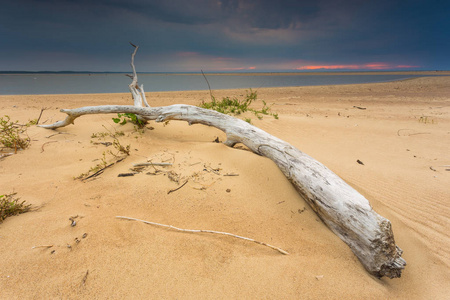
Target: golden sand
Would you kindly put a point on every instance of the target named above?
(402, 137)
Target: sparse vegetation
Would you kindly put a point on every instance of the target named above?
(105, 160)
(116, 142)
(230, 106)
(10, 205)
(125, 118)
(13, 135)
(426, 120)
(101, 165)
(235, 106)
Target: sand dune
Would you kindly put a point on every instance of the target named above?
(402, 137)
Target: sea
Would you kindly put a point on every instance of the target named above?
(92, 83)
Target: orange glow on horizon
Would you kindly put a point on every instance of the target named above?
(368, 66)
(238, 69)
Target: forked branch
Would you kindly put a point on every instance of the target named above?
(136, 91)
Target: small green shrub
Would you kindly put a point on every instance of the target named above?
(116, 142)
(107, 161)
(125, 118)
(426, 120)
(32, 122)
(230, 106)
(11, 134)
(235, 106)
(11, 206)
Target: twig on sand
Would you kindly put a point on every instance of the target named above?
(409, 134)
(58, 133)
(40, 115)
(3, 155)
(43, 246)
(206, 231)
(42, 148)
(161, 164)
(171, 191)
(102, 170)
(83, 281)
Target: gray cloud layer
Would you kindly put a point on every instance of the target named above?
(189, 35)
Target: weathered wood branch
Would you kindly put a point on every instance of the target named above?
(345, 211)
(136, 91)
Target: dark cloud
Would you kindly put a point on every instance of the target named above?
(74, 34)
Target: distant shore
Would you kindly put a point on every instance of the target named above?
(413, 73)
(98, 83)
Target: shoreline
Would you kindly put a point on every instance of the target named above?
(234, 88)
(313, 73)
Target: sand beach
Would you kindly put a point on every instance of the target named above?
(399, 130)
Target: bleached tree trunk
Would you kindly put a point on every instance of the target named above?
(345, 211)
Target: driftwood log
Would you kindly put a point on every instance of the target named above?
(345, 211)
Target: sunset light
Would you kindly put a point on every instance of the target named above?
(368, 66)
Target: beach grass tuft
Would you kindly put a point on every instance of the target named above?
(12, 134)
(234, 106)
(10, 205)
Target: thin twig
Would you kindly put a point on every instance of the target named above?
(206, 231)
(42, 148)
(43, 246)
(151, 164)
(171, 191)
(40, 115)
(102, 169)
(57, 134)
(5, 155)
(414, 133)
(83, 281)
(209, 87)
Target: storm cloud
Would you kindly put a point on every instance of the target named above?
(224, 35)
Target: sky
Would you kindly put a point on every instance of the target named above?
(224, 35)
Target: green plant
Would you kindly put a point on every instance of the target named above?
(230, 106)
(426, 119)
(116, 143)
(120, 148)
(103, 164)
(235, 106)
(32, 122)
(100, 135)
(11, 206)
(125, 118)
(11, 134)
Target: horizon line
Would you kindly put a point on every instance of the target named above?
(4, 72)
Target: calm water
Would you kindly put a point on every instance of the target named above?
(118, 83)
